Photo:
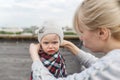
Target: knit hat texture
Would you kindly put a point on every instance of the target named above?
(50, 28)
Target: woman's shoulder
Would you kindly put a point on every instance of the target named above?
(114, 53)
(111, 57)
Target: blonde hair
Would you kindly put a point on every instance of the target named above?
(94, 14)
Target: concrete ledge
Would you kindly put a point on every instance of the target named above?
(32, 36)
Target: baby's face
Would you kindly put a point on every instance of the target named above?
(50, 43)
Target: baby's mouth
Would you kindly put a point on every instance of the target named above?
(51, 51)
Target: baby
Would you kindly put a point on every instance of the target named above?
(50, 37)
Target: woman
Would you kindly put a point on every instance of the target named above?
(97, 23)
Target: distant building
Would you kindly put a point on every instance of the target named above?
(27, 34)
(12, 29)
(68, 29)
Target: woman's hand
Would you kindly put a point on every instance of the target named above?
(70, 46)
(33, 50)
(64, 43)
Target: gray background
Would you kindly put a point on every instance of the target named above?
(15, 61)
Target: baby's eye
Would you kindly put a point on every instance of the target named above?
(45, 42)
(55, 42)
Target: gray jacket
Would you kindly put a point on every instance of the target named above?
(106, 68)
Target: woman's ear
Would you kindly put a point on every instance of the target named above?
(103, 33)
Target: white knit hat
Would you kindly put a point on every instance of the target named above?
(50, 28)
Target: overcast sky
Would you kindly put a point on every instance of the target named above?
(26, 13)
